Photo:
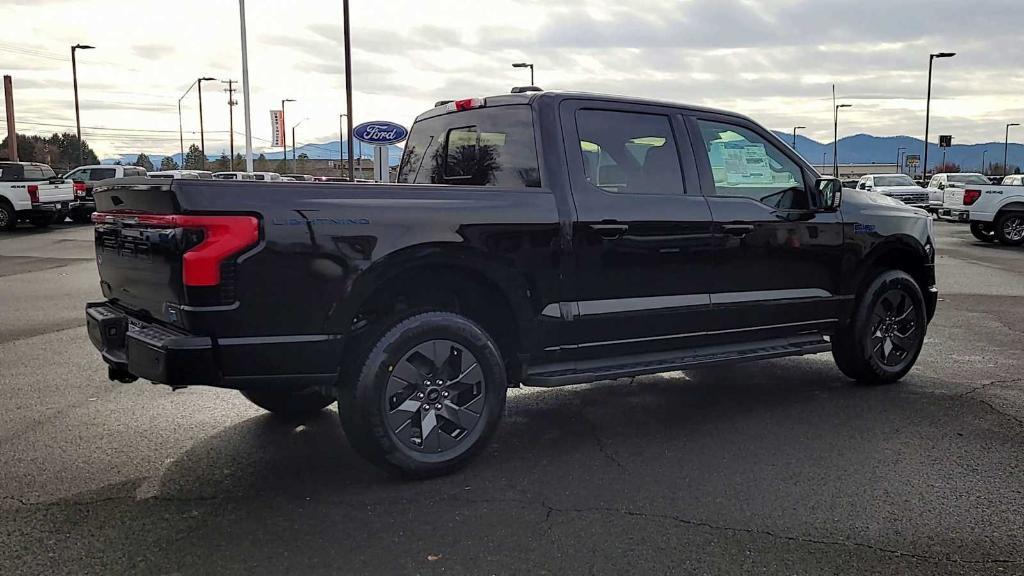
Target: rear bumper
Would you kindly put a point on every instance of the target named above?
(152, 351)
(148, 350)
(51, 207)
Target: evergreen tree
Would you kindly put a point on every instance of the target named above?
(193, 158)
(143, 161)
(168, 163)
(221, 164)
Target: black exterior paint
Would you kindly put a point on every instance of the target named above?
(290, 302)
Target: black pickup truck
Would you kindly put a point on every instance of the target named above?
(537, 239)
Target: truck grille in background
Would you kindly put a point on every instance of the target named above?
(912, 198)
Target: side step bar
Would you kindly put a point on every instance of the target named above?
(564, 374)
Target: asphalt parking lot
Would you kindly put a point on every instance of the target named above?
(781, 467)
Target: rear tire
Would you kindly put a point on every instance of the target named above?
(8, 216)
(983, 231)
(1010, 228)
(287, 404)
(42, 220)
(884, 338)
(426, 397)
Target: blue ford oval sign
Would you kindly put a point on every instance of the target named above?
(380, 133)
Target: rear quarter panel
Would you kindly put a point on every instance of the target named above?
(326, 247)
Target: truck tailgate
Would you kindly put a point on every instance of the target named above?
(953, 197)
(152, 259)
(52, 191)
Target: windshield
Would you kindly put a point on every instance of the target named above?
(899, 180)
(968, 179)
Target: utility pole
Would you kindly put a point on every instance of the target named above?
(984, 168)
(231, 120)
(12, 134)
(341, 141)
(202, 133)
(78, 118)
(348, 89)
(284, 134)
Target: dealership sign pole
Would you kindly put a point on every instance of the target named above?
(380, 134)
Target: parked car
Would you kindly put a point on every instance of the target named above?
(898, 186)
(850, 182)
(994, 212)
(234, 176)
(1013, 180)
(539, 239)
(85, 178)
(267, 176)
(32, 192)
(183, 174)
(299, 177)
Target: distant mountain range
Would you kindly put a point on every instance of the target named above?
(867, 149)
(857, 149)
(325, 151)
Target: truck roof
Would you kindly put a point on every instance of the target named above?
(558, 95)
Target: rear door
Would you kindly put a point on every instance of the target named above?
(778, 257)
(641, 238)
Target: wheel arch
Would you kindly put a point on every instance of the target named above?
(449, 277)
(896, 252)
(1011, 206)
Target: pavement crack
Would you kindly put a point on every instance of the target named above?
(778, 536)
(602, 444)
(970, 394)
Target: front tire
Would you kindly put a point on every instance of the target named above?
(426, 398)
(1010, 228)
(288, 404)
(983, 231)
(884, 338)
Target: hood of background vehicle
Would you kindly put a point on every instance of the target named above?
(867, 200)
(899, 189)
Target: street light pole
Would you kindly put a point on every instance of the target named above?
(181, 136)
(295, 167)
(835, 139)
(245, 89)
(525, 65)
(78, 119)
(284, 133)
(202, 133)
(795, 128)
(899, 159)
(928, 105)
(984, 168)
(341, 142)
(1006, 148)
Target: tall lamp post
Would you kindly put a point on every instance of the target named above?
(294, 163)
(1006, 148)
(795, 128)
(284, 133)
(928, 105)
(835, 138)
(525, 65)
(181, 134)
(202, 132)
(78, 119)
(341, 142)
(899, 159)
(984, 168)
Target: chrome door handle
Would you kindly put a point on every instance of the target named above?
(738, 230)
(610, 231)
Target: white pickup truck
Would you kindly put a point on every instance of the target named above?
(995, 212)
(32, 192)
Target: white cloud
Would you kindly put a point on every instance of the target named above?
(774, 60)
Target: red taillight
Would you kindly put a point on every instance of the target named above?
(79, 188)
(33, 193)
(223, 237)
(971, 196)
(467, 104)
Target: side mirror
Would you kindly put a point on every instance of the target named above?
(830, 193)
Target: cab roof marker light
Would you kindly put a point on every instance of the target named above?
(466, 104)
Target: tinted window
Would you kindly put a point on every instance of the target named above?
(33, 173)
(47, 172)
(899, 180)
(11, 172)
(629, 153)
(747, 165)
(481, 147)
(968, 179)
(103, 173)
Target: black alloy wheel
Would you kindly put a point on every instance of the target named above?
(894, 337)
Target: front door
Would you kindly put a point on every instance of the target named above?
(779, 254)
(642, 232)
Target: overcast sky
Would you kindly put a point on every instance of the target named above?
(774, 60)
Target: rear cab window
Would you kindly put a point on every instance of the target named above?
(481, 147)
(10, 172)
